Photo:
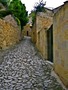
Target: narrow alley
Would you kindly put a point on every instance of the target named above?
(24, 69)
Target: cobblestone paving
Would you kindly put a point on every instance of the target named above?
(24, 69)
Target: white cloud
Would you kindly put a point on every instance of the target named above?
(49, 3)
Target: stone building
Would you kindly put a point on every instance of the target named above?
(50, 35)
(43, 22)
(60, 42)
(33, 33)
(26, 30)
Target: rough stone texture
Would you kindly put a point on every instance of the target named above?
(60, 36)
(33, 33)
(27, 30)
(24, 69)
(10, 20)
(9, 35)
(42, 24)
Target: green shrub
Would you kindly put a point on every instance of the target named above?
(4, 13)
(18, 21)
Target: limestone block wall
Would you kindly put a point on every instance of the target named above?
(33, 33)
(27, 30)
(9, 35)
(60, 43)
(43, 23)
(11, 20)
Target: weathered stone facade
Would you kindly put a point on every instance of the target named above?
(48, 30)
(11, 20)
(27, 30)
(9, 35)
(39, 31)
(60, 43)
(33, 33)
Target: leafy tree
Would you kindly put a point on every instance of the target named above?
(5, 2)
(19, 10)
(33, 15)
(39, 7)
(3, 13)
(16, 8)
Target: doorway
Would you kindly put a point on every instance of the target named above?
(27, 33)
(50, 43)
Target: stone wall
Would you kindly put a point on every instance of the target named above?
(9, 35)
(33, 33)
(60, 43)
(27, 30)
(11, 20)
(43, 23)
(39, 31)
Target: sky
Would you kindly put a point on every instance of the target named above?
(49, 3)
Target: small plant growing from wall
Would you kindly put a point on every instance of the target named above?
(39, 7)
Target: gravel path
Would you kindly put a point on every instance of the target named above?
(24, 69)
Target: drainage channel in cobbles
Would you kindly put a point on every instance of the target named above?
(24, 69)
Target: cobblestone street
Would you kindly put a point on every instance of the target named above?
(24, 69)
